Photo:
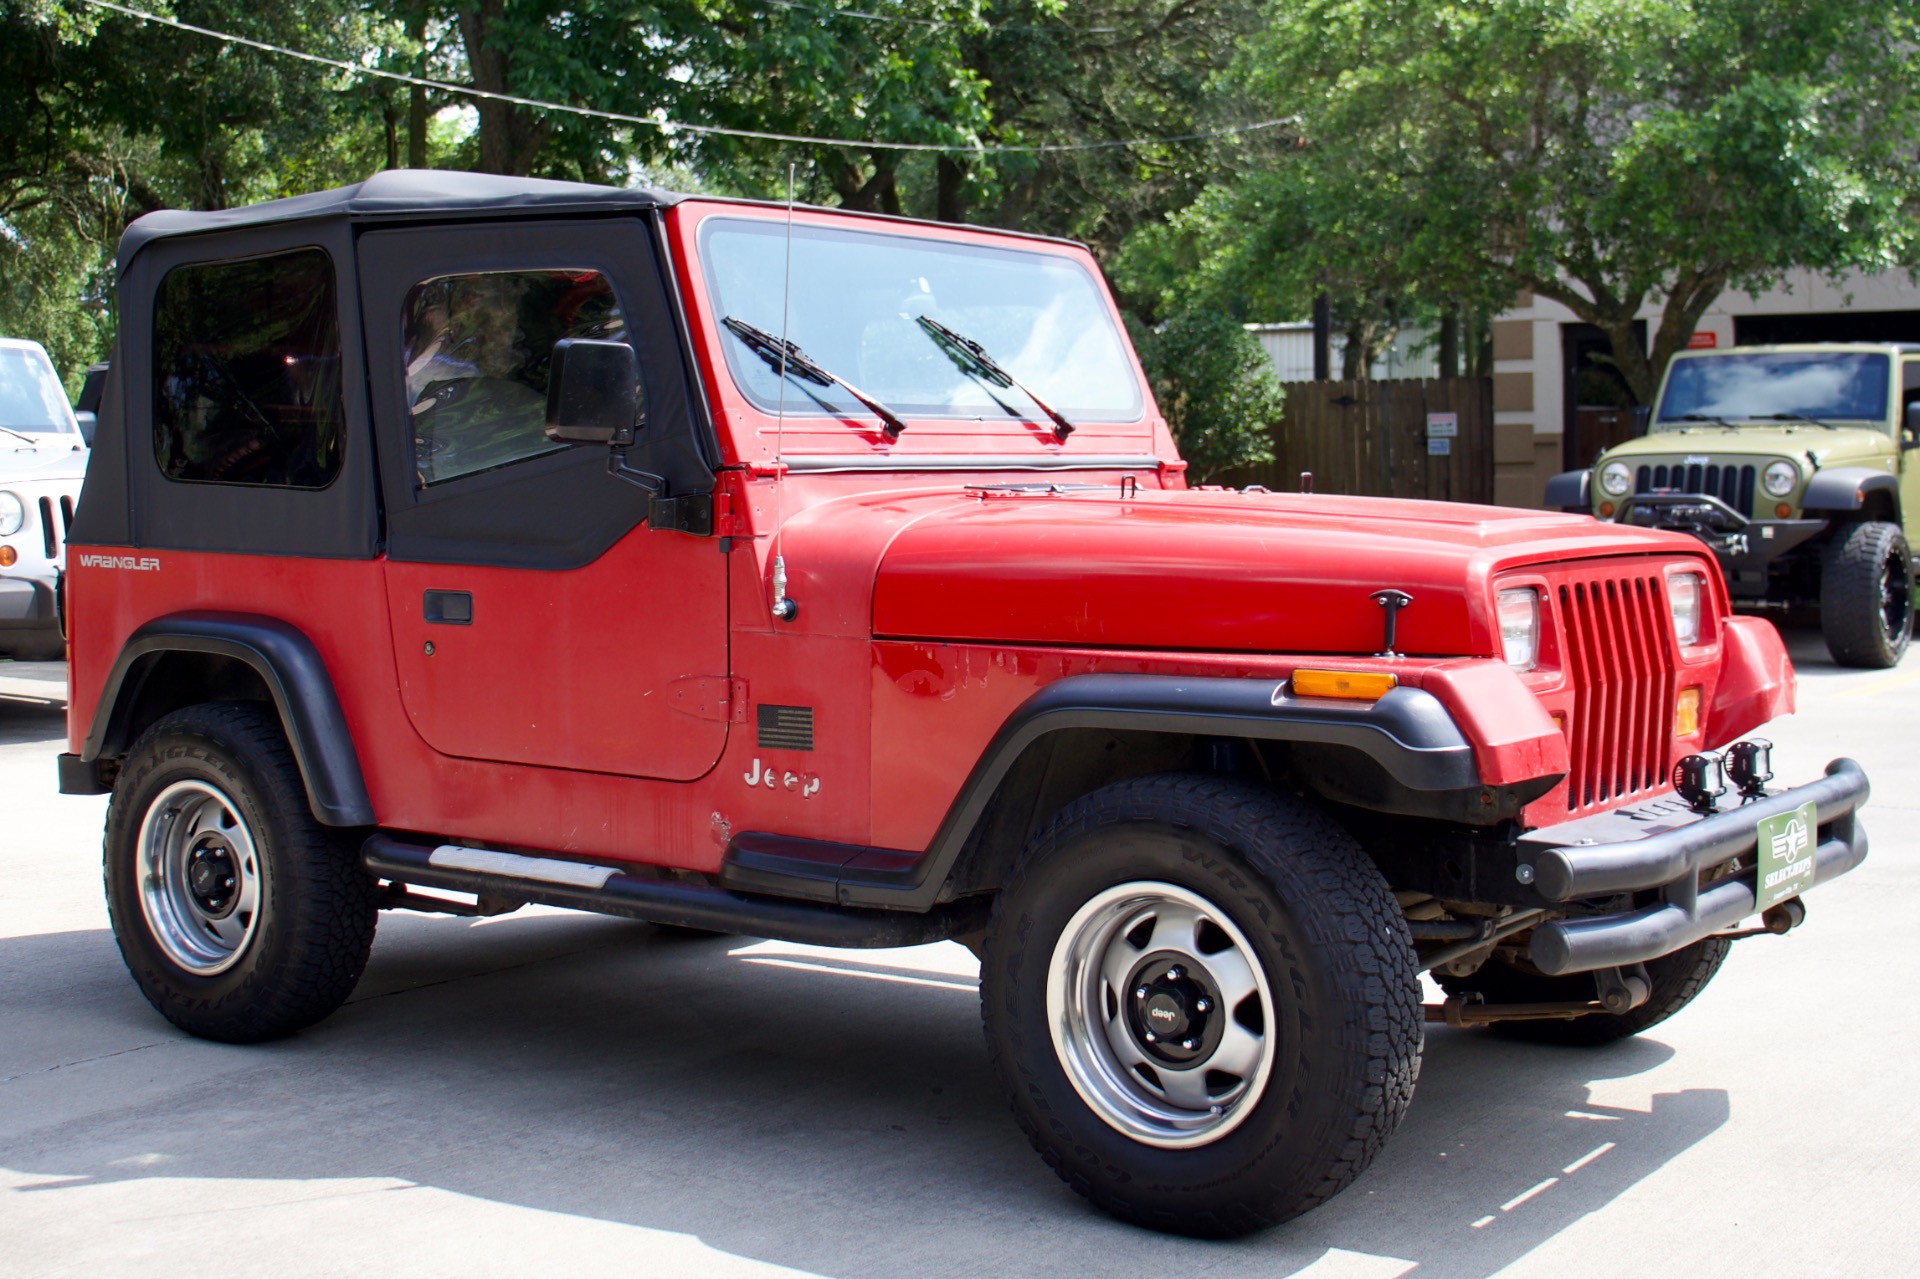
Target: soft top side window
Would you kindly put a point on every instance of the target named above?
(479, 350)
(246, 368)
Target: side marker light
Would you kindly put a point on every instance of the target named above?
(1686, 713)
(1364, 686)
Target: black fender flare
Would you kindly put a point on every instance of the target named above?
(1408, 732)
(295, 676)
(1845, 488)
(1570, 491)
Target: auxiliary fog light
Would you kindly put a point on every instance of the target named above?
(1700, 779)
(1686, 712)
(1750, 766)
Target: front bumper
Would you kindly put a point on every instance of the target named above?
(1744, 547)
(1665, 849)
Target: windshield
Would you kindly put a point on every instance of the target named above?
(856, 302)
(31, 398)
(1825, 385)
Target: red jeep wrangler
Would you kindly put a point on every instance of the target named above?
(456, 542)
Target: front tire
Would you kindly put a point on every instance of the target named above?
(239, 916)
(1202, 1001)
(1866, 595)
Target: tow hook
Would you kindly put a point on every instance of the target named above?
(1783, 917)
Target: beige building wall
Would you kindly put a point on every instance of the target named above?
(1529, 396)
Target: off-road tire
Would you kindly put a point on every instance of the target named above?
(1676, 979)
(1339, 964)
(316, 904)
(1866, 595)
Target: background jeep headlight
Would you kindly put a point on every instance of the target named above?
(1686, 594)
(1615, 479)
(1520, 627)
(1780, 479)
(12, 515)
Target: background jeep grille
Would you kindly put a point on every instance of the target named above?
(1620, 662)
(1731, 484)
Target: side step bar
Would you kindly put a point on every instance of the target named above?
(609, 890)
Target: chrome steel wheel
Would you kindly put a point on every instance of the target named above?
(1160, 1014)
(199, 876)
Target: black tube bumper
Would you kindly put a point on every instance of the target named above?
(1664, 848)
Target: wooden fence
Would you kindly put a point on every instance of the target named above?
(1373, 439)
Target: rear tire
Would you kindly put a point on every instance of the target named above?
(240, 917)
(1866, 595)
(1676, 979)
(1281, 976)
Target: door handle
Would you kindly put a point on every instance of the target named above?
(448, 608)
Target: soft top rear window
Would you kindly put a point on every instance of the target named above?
(246, 368)
(854, 306)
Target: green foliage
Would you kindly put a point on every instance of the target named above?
(1216, 387)
(1603, 153)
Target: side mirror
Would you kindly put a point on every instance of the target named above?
(87, 422)
(593, 392)
(1910, 428)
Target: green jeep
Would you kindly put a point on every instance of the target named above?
(1795, 464)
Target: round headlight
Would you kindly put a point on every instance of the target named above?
(1780, 479)
(12, 514)
(1616, 478)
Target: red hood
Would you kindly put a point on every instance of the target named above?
(1213, 571)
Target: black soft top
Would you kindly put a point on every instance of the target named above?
(398, 195)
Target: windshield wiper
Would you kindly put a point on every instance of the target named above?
(1793, 417)
(785, 357)
(20, 436)
(964, 350)
(1699, 417)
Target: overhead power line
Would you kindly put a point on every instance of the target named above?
(671, 126)
(864, 15)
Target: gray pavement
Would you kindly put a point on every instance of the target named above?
(549, 1093)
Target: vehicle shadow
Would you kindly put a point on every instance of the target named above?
(833, 1114)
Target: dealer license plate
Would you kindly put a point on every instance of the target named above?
(1785, 850)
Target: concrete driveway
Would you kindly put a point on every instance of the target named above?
(545, 1093)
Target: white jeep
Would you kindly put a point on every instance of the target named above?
(43, 459)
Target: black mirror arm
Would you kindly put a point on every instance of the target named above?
(654, 485)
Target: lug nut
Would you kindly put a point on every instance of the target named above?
(1152, 1038)
(1140, 993)
(1202, 1005)
(1191, 1045)
(1174, 973)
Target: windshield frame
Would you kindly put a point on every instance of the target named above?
(1662, 424)
(1017, 416)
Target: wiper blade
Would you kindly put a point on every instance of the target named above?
(786, 357)
(964, 350)
(1699, 417)
(18, 435)
(1793, 417)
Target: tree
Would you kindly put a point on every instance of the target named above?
(1215, 385)
(1606, 154)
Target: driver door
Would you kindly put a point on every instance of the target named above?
(536, 618)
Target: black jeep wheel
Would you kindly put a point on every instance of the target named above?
(1675, 978)
(1866, 595)
(1202, 1001)
(240, 917)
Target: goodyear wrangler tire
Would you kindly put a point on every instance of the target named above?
(1676, 979)
(1202, 1000)
(1866, 595)
(239, 916)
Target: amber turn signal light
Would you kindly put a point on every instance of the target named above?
(8, 556)
(1686, 713)
(1364, 686)
(1606, 510)
(1782, 511)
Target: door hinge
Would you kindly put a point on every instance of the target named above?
(713, 697)
(692, 513)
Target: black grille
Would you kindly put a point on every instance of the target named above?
(1731, 484)
(48, 537)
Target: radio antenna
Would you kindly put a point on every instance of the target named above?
(783, 607)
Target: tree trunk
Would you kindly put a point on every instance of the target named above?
(417, 94)
(1450, 345)
(949, 201)
(510, 137)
